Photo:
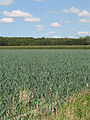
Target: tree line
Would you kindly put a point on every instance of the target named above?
(30, 41)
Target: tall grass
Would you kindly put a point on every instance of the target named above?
(48, 47)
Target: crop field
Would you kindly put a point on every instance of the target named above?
(36, 83)
(48, 47)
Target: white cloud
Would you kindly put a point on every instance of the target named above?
(82, 33)
(32, 19)
(71, 10)
(6, 20)
(55, 24)
(50, 33)
(78, 12)
(84, 21)
(71, 36)
(39, 27)
(74, 10)
(56, 36)
(38, 0)
(5, 2)
(84, 13)
(16, 13)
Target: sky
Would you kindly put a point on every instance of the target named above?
(45, 18)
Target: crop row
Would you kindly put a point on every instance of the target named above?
(36, 82)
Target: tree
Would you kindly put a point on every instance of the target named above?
(87, 39)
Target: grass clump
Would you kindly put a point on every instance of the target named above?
(78, 108)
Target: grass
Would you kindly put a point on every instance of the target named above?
(78, 108)
(48, 47)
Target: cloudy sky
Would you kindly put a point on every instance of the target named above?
(45, 18)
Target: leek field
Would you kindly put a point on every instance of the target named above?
(36, 83)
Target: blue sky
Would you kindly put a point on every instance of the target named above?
(45, 18)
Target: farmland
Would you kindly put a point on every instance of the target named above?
(36, 83)
(48, 47)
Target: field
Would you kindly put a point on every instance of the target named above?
(48, 47)
(35, 84)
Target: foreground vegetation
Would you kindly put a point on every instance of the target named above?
(34, 84)
(77, 108)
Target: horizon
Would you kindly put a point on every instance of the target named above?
(42, 37)
(45, 18)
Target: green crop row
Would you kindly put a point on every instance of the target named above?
(35, 83)
(48, 47)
